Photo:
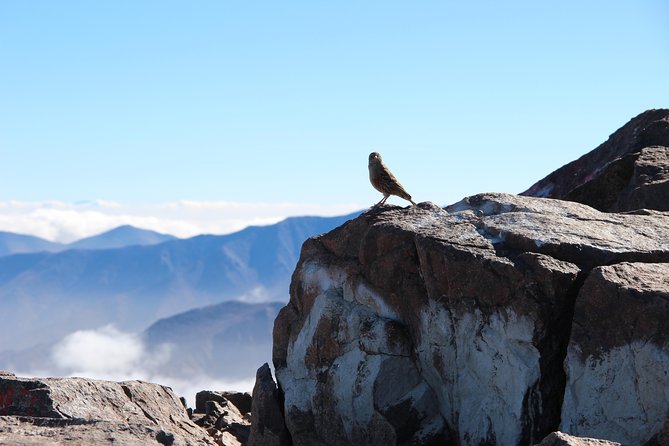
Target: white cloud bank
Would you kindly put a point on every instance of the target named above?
(66, 222)
(107, 353)
(110, 354)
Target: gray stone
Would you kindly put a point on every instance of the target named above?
(55, 411)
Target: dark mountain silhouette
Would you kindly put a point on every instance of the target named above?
(47, 295)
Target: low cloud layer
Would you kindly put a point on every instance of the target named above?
(67, 222)
(107, 353)
(110, 354)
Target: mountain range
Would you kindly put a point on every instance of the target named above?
(46, 295)
(123, 236)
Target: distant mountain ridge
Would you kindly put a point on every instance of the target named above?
(228, 339)
(122, 236)
(11, 243)
(135, 285)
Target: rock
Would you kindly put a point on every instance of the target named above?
(648, 187)
(618, 356)
(267, 424)
(562, 439)
(241, 400)
(222, 419)
(568, 231)
(627, 172)
(431, 326)
(55, 411)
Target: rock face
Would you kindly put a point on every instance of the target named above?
(58, 411)
(432, 326)
(627, 172)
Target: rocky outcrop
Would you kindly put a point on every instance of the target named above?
(58, 411)
(241, 400)
(225, 416)
(267, 424)
(627, 172)
(432, 326)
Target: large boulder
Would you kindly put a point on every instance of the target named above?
(627, 172)
(58, 411)
(430, 326)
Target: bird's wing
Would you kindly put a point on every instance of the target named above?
(397, 188)
(387, 176)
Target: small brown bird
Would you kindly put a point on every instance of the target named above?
(384, 181)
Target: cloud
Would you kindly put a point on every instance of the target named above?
(110, 354)
(67, 222)
(107, 353)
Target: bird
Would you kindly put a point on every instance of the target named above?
(384, 181)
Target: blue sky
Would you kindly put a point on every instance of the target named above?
(140, 102)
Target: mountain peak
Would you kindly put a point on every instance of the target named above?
(121, 236)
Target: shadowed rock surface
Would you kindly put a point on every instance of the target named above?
(224, 415)
(627, 172)
(59, 411)
(267, 424)
(430, 326)
(241, 400)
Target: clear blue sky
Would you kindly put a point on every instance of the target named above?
(152, 101)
